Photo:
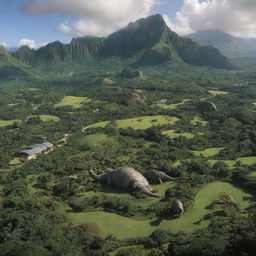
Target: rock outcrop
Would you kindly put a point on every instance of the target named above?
(104, 80)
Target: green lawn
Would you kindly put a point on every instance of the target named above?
(138, 123)
(229, 163)
(173, 134)
(97, 139)
(253, 174)
(209, 152)
(46, 118)
(4, 123)
(14, 161)
(75, 102)
(145, 251)
(123, 227)
(215, 93)
(247, 160)
(171, 106)
(199, 121)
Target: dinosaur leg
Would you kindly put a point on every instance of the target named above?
(160, 181)
(108, 181)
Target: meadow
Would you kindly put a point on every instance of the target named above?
(198, 121)
(123, 227)
(143, 122)
(171, 106)
(73, 101)
(173, 134)
(4, 123)
(47, 118)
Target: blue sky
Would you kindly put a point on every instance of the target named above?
(35, 22)
(15, 24)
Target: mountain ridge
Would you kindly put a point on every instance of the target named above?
(231, 46)
(148, 40)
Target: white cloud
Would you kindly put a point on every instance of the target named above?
(97, 17)
(234, 16)
(3, 44)
(28, 42)
(42, 44)
(32, 44)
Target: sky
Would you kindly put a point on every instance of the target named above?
(38, 22)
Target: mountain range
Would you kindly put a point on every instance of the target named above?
(231, 46)
(147, 41)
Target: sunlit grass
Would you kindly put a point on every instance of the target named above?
(138, 123)
(74, 102)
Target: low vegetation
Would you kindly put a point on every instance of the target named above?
(74, 102)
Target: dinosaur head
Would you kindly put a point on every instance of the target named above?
(94, 175)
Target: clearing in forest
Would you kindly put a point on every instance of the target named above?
(4, 123)
(73, 101)
(246, 160)
(97, 139)
(140, 123)
(174, 134)
(209, 152)
(215, 93)
(123, 227)
(47, 118)
(198, 121)
(171, 106)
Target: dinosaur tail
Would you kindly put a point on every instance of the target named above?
(169, 178)
(94, 175)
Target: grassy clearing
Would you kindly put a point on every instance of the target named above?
(34, 89)
(215, 93)
(247, 160)
(47, 118)
(4, 123)
(74, 102)
(253, 174)
(97, 139)
(198, 121)
(173, 134)
(229, 163)
(171, 106)
(15, 161)
(140, 123)
(32, 181)
(209, 152)
(141, 247)
(123, 227)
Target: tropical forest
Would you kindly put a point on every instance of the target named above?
(142, 143)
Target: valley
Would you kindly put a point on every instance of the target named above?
(105, 103)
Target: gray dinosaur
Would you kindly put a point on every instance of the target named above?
(125, 178)
(154, 176)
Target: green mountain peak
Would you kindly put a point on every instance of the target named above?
(148, 41)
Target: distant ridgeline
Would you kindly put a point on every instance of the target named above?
(231, 46)
(147, 42)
